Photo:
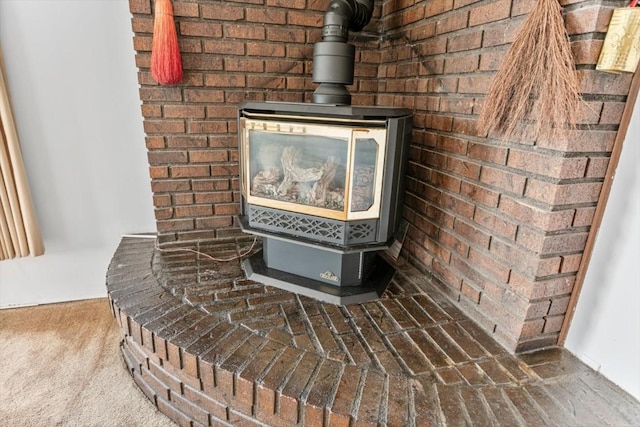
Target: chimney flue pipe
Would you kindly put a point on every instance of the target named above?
(333, 57)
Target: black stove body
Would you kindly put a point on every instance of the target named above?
(322, 184)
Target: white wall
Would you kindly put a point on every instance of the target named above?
(73, 82)
(605, 332)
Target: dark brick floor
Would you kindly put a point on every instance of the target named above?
(210, 347)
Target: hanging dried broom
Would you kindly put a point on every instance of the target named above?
(535, 93)
(166, 65)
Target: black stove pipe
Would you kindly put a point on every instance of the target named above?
(333, 57)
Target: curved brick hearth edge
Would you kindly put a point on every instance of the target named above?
(209, 347)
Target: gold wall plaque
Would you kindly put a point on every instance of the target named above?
(621, 49)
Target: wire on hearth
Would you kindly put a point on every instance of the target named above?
(246, 252)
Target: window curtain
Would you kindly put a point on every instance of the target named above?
(19, 232)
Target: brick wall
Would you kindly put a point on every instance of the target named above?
(501, 226)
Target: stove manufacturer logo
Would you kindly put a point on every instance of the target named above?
(327, 275)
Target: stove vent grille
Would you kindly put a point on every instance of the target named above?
(314, 228)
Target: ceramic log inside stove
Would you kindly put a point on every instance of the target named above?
(322, 184)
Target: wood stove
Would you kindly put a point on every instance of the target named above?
(322, 184)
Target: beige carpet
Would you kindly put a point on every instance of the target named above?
(60, 365)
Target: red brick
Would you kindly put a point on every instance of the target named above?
(432, 46)
(503, 180)
(532, 328)
(503, 33)
(274, 377)
(465, 125)
(525, 212)
(224, 47)
(464, 168)
(200, 29)
(466, 41)
(586, 52)
(210, 184)
(541, 164)
(208, 156)
(472, 234)
(244, 32)
(218, 197)
(423, 31)
(461, 64)
(244, 64)
(156, 385)
(154, 142)
(488, 153)
(200, 399)
(489, 264)
(491, 61)
(524, 261)
(193, 211)
(142, 43)
(495, 223)
(161, 200)
(186, 141)
(471, 292)
(480, 194)
(445, 273)
(345, 395)
(170, 411)
(370, 400)
(183, 199)
(491, 12)
(182, 111)
(167, 157)
(597, 167)
(453, 242)
(163, 213)
(142, 25)
(533, 289)
(563, 194)
(189, 171)
(611, 113)
(175, 225)
(190, 46)
(456, 105)
(452, 22)
(305, 19)
(151, 111)
(222, 12)
(321, 393)
(265, 49)
(588, 19)
(582, 141)
(203, 95)
(457, 205)
(553, 324)
(583, 217)
(538, 309)
(185, 9)
(207, 126)
(594, 82)
(559, 306)
(140, 6)
(474, 84)
(224, 80)
(163, 126)
(287, 35)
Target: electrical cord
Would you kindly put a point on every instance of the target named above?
(248, 251)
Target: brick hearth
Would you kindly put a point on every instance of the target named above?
(209, 347)
(500, 226)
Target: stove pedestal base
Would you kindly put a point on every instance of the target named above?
(372, 285)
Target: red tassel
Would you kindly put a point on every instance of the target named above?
(166, 65)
